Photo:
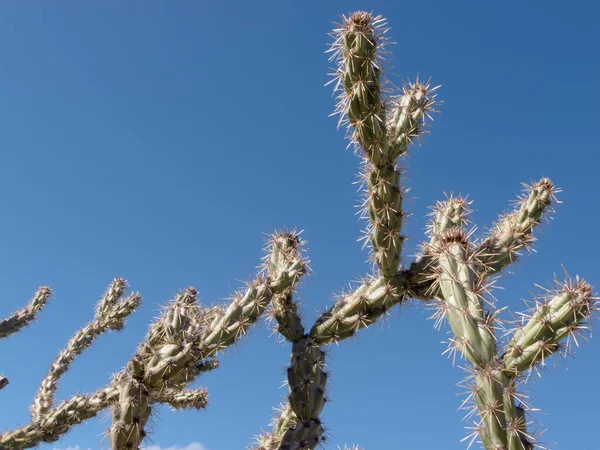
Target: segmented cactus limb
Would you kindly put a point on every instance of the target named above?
(357, 50)
(283, 308)
(450, 214)
(130, 415)
(560, 315)
(60, 419)
(284, 420)
(110, 314)
(358, 309)
(299, 425)
(180, 344)
(513, 232)
(306, 380)
(24, 316)
(188, 398)
(494, 377)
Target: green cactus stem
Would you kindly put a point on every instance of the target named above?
(110, 314)
(513, 232)
(384, 137)
(24, 316)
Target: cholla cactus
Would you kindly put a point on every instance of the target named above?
(453, 273)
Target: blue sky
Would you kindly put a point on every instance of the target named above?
(158, 141)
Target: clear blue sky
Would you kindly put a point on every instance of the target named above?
(157, 141)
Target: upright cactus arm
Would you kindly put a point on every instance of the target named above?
(24, 316)
(383, 135)
(462, 300)
(450, 214)
(299, 424)
(473, 330)
(110, 314)
(306, 380)
(284, 309)
(514, 231)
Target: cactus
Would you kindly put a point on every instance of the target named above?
(453, 273)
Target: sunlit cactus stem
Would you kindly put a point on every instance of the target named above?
(383, 132)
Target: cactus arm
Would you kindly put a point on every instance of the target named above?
(24, 316)
(357, 45)
(306, 380)
(407, 119)
(130, 416)
(285, 265)
(284, 421)
(447, 215)
(462, 301)
(283, 308)
(357, 50)
(561, 315)
(179, 345)
(299, 425)
(110, 315)
(374, 297)
(184, 399)
(358, 309)
(60, 419)
(473, 333)
(514, 231)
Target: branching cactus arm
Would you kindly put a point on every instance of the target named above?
(110, 314)
(181, 344)
(22, 318)
(383, 132)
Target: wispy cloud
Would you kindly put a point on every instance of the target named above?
(192, 446)
(77, 447)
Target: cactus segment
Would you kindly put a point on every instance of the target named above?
(559, 316)
(23, 317)
(285, 247)
(407, 116)
(59, 420)
(306, 380)
(284, 421)
(450, 214)
(109, 315)
(357, 52)
(179, 400)
(463, 305)
(513, 232)
(358, 309)
(130, 416)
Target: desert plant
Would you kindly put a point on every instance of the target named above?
(453, 274)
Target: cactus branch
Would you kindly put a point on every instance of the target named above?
(24, 316)
(514, 231)
(60, 419)
(109, 315)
